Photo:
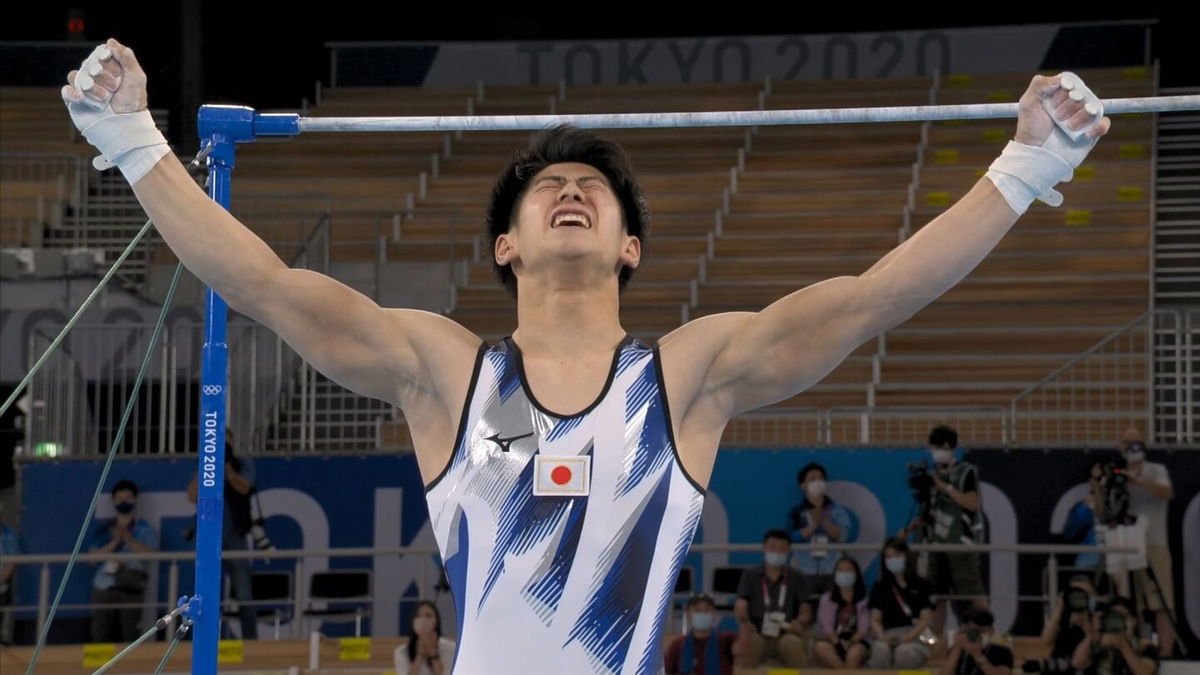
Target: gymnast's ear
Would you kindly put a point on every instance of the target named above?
(505, 249)
(631, 254)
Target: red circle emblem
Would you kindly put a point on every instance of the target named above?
(561, 475)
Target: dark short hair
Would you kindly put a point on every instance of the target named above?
(982, 618)
(700, 598)
(777, 534)
(125, 485)
(557, 145)
(943, 435)
(809, 467)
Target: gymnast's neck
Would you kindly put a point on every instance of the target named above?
(562, 318)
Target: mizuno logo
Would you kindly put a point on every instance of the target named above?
(504, 443)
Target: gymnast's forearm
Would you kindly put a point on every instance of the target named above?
(206, 238)
(941, 254)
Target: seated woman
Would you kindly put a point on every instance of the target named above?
(842, 619)
(901, 610)
(426, 652)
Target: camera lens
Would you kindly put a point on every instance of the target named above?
(1113, 622)
(1077, 599)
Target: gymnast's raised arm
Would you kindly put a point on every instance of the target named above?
(378, 352)
(770, 355)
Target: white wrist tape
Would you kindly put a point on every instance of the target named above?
(1023, 173)
(128, 141)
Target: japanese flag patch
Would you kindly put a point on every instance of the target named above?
(561, 476)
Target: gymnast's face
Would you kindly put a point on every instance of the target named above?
(568, 225)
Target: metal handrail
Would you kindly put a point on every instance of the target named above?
(1081, 356)
(299, 598)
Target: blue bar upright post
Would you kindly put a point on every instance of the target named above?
(221, 129)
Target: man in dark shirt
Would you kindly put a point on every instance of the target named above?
(973, 652)
(771, 608)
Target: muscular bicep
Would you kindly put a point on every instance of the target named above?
(791, 344)
(341, 332)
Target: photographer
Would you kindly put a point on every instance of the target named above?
(1066, 628)
(239, 487)
(1109, 646)
(973, 652)
(1150, 491)
(957, 518)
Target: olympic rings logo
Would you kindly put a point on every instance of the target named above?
(211, 389)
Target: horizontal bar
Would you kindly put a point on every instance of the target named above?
(735, 118)
(1029, 549)
(166, 556)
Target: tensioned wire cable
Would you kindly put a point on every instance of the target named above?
(112, 454)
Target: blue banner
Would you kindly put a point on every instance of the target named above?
(378, 501)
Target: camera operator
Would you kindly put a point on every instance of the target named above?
(973, 652)
(952, 515)
(1149, 490)
(1112, 647)
(1066, 628)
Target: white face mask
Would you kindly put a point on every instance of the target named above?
(423, 624)
(775, 559)
(895, 565)
(815, 489)
(844, 579)
(942, 455)
(702, 620)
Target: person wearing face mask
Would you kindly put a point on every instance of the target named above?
(121, 581)
(817, 520)
(1112, 646)
(1149, 493)
(957, 513)
(702, 650)
(772, 614)
(426, 652)
(901, 611)
(843, 619)
(974, 651)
